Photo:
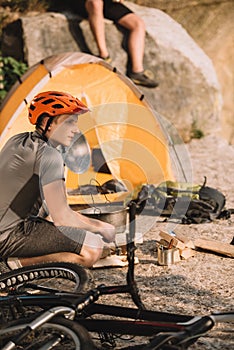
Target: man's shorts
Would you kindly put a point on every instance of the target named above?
(113, 11)
(41, 237)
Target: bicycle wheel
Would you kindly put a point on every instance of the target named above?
(66, 277)
(58, 334)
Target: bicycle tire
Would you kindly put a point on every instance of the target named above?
(69, 335)
(60, 276)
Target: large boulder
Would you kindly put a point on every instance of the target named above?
(210, 23)
(33, 37)
(188, 95)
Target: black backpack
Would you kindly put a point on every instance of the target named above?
(191, 203)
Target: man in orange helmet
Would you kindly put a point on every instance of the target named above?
(32, 178)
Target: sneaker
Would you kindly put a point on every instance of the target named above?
(143, 78)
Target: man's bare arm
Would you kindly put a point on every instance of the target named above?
(63, 215)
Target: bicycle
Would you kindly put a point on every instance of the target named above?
(163, 330)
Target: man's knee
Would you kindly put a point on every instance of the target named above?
(90, 256)
(92, 248)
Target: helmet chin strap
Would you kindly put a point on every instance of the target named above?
(44, 131)
(49, 121)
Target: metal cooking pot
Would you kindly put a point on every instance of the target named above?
(113, 214)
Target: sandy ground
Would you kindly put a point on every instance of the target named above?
(200, 284)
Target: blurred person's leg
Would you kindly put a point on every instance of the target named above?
(136, 47)
(136, 40)
(97, 25)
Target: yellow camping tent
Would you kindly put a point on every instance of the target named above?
(121, 123)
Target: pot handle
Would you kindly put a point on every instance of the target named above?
(94, 205)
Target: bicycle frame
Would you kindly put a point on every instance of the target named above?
(146, 323)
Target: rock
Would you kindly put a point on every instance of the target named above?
(189, 92)
(34, 37)
(210, 23)
(188, 95)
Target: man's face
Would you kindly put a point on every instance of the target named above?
(63, 130)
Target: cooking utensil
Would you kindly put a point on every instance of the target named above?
(167, 256)
(112, 214)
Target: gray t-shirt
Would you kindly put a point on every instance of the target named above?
(27, 163)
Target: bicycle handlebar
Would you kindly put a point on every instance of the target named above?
(221, 317)
(194, 328)
(200, 326)
(191, 332)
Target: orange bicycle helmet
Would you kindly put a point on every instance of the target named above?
(54, 103)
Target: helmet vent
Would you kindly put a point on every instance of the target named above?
(39, 98)
(58, 106)
(48, 101)
(56, 94)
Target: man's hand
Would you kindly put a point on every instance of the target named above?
(107, 231)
